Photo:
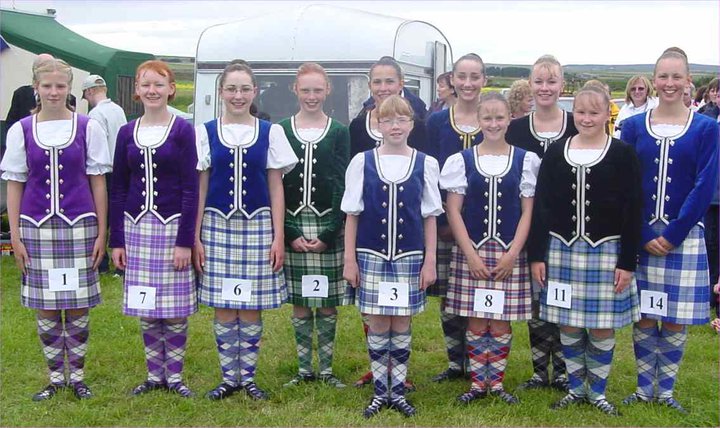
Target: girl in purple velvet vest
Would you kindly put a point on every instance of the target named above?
(57, 205)
(489, 205)
(154, 205)
(391, 200)
(239, 238)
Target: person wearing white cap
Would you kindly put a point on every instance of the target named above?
(110, 116)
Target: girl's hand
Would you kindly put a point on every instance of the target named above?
(716, 324)
(299, 245)
(98, 252)
(351, 273)
(622, 280)
(655, 248)
(198, 256)
(716, 288)
(316, 246)
(181, 257)
(119, 258)
(504, 268)
(22, 260)
(277, 255)
(478, 270)
(665, 243)
(538, 272)
(428, 275)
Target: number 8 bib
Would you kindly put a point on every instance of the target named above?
(490, 301)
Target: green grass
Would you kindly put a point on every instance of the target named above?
(115, 364)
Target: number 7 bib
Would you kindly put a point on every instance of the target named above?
(141, 297)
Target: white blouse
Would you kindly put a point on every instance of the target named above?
(453, 177)
(280, 153)
(667, 130)
(55, 133)
(310, 134)
(584, 156)
(393, 167)
(467, 128)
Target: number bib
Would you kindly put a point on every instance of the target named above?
(64, 279)
(395, 294)
(237, 290)
(141, 297)
(653, 302)
(559, 294)
(491, 301)
(314, 286)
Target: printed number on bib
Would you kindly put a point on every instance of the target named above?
(141, 297)
(491, 301)
(238, 290)
(64, 279)
(314, 286)
(395, 294)
(653, 302)
(559, 294)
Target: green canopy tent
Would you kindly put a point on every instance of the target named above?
(40, 33)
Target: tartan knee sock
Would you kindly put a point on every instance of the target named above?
(76, 337)
(540, 347)
(671, 346)
(304, 342)
(454, 328)
(598, 359)
(250, 336)
(175, 341)
(400, 347)
(50, 331)
(645, 344)
(477, 355)
(574, 345)
(154, 341)
(379, 352)
(326, 325)
(556, 352)
(498, 351)
(226, 338)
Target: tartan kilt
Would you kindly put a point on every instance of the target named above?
(149, 245)
(683, 275)
(239, 248)
(443, 256)
(461, 285)
(373, 270)
(53, 245)
(328, 263)
(591, 273)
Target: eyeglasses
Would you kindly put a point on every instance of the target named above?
(396, 121)
(234, 89)
(637, 89)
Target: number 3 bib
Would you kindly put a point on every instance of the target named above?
(395, 294)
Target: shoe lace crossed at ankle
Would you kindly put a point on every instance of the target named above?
(254, 391)
(672, 403)
(376, 404)
(404, 406)
(181, 389)
(605, 406)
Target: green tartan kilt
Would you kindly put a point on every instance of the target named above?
(328, 263)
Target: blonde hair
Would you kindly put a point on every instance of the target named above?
(635, 78)
(548, 62)
(309, 68)
(519, 90)
(394, 105)
(594, 89)
(50, 66)
(494, 96)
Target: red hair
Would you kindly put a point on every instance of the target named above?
(159, 67)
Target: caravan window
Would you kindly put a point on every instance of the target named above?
(276, 98)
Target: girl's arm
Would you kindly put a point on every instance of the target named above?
(198, 248)
(351, 272)
(15, 191)
(453, 208)
(277, 207)
(428, 274)
(507, 261)
(99, 191)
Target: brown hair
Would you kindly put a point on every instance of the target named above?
(389, 61)
(494, 96)
(635, 78)
(470, 57)
(238, 65)
(49, 66)
(394, 105)
(519, 90)
(159, 67)
(673, 52)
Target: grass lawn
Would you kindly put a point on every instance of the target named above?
(115, 364)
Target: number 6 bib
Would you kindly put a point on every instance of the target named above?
(237, 290)
(395, 294)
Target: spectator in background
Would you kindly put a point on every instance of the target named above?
(446, 95)
(688, 97)
(111, 117)
(24, 98)
(520, 99)
(700, 96)
(638, 99)
(711, 101)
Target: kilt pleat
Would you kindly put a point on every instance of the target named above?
(461, 285)
(328, 263)
(54, 245)
(239, 248)
(443, 256)
(149, 245)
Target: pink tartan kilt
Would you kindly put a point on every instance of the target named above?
(461, 286)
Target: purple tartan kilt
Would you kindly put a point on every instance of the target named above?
(461, 286)
(55, 245)
(149, 246)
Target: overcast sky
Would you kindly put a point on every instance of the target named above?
(513, 32)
